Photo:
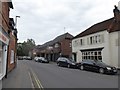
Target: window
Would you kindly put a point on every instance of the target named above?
(12, 57)
(90, 40)
(93, 55)
(75, 43)
(118, 42)
(97, 39)
(81, 42)
(70, 44)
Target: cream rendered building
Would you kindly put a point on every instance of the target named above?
(99, 42)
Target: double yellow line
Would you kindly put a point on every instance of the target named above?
(35, 81)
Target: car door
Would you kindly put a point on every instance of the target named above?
(89, 65)
(62, 61)
(65, 62)
(93, 65)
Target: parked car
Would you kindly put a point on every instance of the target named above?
(20, 58)
(96, 65)
(36, 59)
(62, 61)
(27, 58)
(42, 60)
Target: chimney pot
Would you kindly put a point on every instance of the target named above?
(119, 5)
(116, 14)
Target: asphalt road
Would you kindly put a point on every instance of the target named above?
(52, 76)
(42, 75)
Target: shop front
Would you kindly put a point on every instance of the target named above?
(4, 41)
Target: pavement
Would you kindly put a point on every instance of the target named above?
(17, 78)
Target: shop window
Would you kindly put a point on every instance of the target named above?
(94, 55)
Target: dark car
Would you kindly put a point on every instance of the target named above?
(96, 65)
(42, 60)
(65, 62)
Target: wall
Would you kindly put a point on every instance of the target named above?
(114, 48)
(77, 48)
(66, 49)
(109, 51)
(12, 46)
(5, 16)
(4, 27)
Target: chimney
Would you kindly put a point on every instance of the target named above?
(119, 5)
(116, 14)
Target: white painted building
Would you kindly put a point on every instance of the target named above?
(99, 42)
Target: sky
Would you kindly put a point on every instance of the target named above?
(44, 20)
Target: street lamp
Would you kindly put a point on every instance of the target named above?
(16, 36)
(16, 21)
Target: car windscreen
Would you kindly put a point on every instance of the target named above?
(71, 60)
(100, 63)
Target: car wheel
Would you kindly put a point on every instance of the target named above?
(58, 64)
(101, 70)
(82, 67)
(68, 65)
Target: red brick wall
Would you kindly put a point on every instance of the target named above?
(65, 47)
(4, 22)
(12, 46)
(5, 16)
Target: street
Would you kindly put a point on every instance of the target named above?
(31, 74)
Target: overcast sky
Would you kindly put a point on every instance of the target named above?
(43, 20)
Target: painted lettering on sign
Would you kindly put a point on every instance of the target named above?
(3, 38)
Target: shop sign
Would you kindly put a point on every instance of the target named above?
(3, 38)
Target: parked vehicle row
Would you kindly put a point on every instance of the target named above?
(24, 58)
(41, 59)
(91, 65)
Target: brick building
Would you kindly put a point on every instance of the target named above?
(60, 46)
(8, 39)
(12, 46)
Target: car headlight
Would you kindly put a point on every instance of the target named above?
(108, 68)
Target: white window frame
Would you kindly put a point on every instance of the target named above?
(12, 57)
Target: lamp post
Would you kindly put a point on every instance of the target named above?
(16, 21)
(16, 38)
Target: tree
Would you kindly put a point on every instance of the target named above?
(24, 48)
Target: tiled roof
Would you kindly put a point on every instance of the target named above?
(111, 25)
(57, 39)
